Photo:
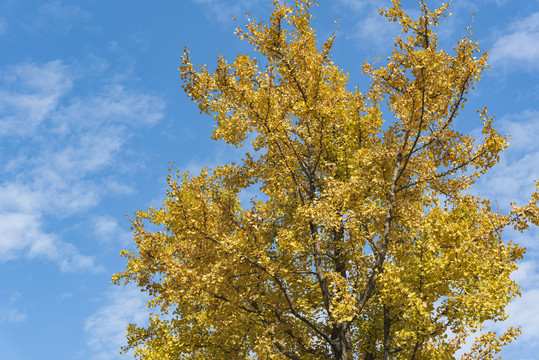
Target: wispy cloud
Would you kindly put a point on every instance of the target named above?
(29, 93)
(523, 310)
(9, 311)
(3, 27)
(106, 328)
(22, 233)
(519, 46)
(225, 10)
(65, 12)
(523, 313)
(55, 15)
(375, 31)
(107, 229)
(356, 5)
(62, 152)
(370, 31)
(512, 179)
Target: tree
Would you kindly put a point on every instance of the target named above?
(364, 243)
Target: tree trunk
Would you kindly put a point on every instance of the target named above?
(342, 338)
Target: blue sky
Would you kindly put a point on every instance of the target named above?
(91, 112)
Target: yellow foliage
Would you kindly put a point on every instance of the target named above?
(364, 244)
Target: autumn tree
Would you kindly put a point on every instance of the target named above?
(363, 242)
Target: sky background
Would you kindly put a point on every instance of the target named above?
(92, 111)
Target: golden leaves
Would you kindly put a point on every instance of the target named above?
(363, 242)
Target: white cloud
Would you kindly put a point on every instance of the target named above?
(520, 45)
(62, 152)
(512, 179)
(59, 11)
(11, 315)
(527, 274)
(106, 328)
(476, 3)
(22, 233)
(9, 311)
(113, 105)
(356, 5)
(3, 27)
(107, 229)
(523, 311)
(372, 31)
(69, 259)
(376, 30)
(28, 94)
(55, 15)
(225, 10)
